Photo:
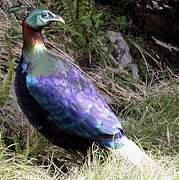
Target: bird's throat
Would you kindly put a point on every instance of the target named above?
(33, 40)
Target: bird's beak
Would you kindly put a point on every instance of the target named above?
(56, 18)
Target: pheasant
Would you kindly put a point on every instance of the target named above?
(59, 99)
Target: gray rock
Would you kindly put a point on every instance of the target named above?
(122, 52)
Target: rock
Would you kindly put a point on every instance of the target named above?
(122, 52)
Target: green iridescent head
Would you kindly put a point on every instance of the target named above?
(39, 18)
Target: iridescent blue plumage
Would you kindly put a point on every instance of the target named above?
(73, 103)
(60, 101)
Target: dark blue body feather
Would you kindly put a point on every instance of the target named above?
(60, 101)
(71, 103)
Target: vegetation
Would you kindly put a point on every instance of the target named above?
(149, 108)
(16, 167)
(83, 27)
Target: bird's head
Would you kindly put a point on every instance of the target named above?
(39, 18)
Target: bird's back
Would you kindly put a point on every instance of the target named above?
(69, 101)
(38, 116)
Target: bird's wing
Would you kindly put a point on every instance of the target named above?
(73, 103)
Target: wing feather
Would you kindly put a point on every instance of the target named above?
(73, 103)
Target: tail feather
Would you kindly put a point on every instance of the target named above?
(130, 151)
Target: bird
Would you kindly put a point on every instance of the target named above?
(60, 101)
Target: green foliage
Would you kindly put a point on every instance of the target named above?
(83, 27)
(121, 22)
(82, 15)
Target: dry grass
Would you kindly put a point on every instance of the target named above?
(97, 166)
(114, 169)
(15, 166)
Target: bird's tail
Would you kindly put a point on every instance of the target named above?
(130, 151)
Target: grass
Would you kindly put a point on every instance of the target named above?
(150, 113)
(155, 121)
(146, 120)
(114, 168)
(15, 166)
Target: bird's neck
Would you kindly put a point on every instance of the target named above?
(34, 51)
(33, 40)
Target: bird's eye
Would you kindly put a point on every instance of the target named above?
(45, 15)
